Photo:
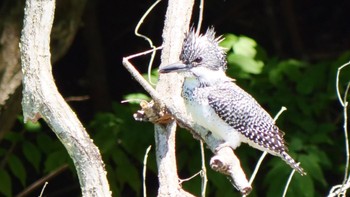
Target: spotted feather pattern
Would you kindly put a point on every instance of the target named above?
(238, 109)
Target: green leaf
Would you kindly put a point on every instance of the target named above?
(153, 77)
(275, 178)
(32, 154)
(321, 156)
(135, 98)
(229, 41)
(292, 69)
(301, 186)
(13, 137)
(245, 63)
(126, 170)
(55, 160)
(2, 152)
(313, 168)
(245, 46)
(275, 76)
(306, 85)
(17, 168)
(32, 126)
(6, 185)
(296, 144)
(45, 143)
(113, 181)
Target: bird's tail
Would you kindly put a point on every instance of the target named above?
(290, 161)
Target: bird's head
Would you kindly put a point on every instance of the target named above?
(201, 57)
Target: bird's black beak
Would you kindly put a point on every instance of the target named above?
(176, 67)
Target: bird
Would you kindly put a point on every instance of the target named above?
(217, 103)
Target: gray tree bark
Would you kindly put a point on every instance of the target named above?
(177, 20)
(42, 99)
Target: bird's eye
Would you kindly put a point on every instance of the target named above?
(198, 60)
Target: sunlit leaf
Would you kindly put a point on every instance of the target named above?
(229, 41)
(245, 63)
(136, 98)
(245, 46)
(32, 126)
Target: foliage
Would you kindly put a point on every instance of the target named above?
(27, 153)
(312, 125)
(311, 122)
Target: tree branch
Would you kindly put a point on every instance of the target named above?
(42, 99)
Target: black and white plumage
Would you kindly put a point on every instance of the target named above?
(215, 102)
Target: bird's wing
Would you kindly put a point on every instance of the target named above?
(240, 110)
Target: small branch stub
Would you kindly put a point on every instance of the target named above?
(226, 162)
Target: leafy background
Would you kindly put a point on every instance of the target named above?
(264, 59)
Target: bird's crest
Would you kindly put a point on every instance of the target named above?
(205, 46)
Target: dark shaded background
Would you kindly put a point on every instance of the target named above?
(310, 30)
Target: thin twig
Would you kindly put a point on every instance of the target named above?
(189, 178)
(142, 53)
(283, 108)
(337, 83)
(144, 171)
(43, 189)
(345, 126)
(200, 17)
(77, 98)
(147, 39)
(344, 104)
(288, 182)
(341, 189)
(262, 157)
(203, 171)
(138, 77)
(42, 180)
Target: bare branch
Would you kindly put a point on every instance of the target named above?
(226, 162)
(200, 16)
(43, 189)
(147, 39)
(42, 180)
(340, 190)
(144, 170)
(288, 182)
(203, 171)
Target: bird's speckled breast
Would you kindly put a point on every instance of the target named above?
(197, 105)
